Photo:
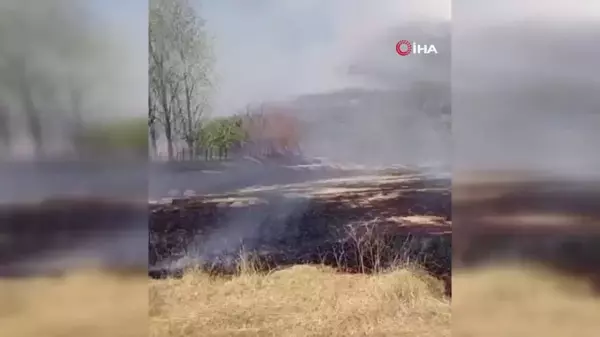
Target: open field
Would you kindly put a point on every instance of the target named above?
(497, 301)
(545, 219)
(523, 221)
(356, 223)
(312, 210)
(500, 301)
(60, 234)
(304, 215)
(300, 301)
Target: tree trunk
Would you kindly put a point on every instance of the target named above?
(191, 148)
(169, 137)
(33, 119)
(190, 122)
(164, 101)
(168, 126)
(153, 140)
(152, 127)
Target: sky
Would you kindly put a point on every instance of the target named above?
(126, 23)
(523, 77)
(275, 49)
(270, 49)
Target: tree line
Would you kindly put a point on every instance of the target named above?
(182, 83)
(51, 62)
(260, 132)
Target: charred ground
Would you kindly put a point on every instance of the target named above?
(361, 223)
(547, 220)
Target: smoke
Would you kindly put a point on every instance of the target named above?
(476, 12)
(275, 49)
(66, 65)
(334, 63)
(315, 54)
(525, 111)
(246, 231)
(525, 86)
(63, 63)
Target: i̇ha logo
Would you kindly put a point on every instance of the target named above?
(405, 48)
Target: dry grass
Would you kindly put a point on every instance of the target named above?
(301, 301)
(522, 301)
(85, 303)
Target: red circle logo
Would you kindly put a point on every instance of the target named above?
(399, 47)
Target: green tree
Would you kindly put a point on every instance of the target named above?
(221, 135)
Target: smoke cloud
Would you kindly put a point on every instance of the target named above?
(524, 85)
(335, 63)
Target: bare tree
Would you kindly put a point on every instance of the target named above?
(161, 69)
(152, 111)
(180, 68)
(196, 61)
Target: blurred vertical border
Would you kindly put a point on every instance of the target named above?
(526, 110)
(73, 168)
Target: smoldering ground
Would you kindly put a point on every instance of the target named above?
(397, 217)
(238, 232)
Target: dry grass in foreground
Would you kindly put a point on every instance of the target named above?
(511, 301)
(301, 301)
(522, 301)
(85, 303)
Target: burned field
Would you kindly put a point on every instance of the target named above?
(551, 221)
(354, 220)
(355, 224)
(54, 236)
